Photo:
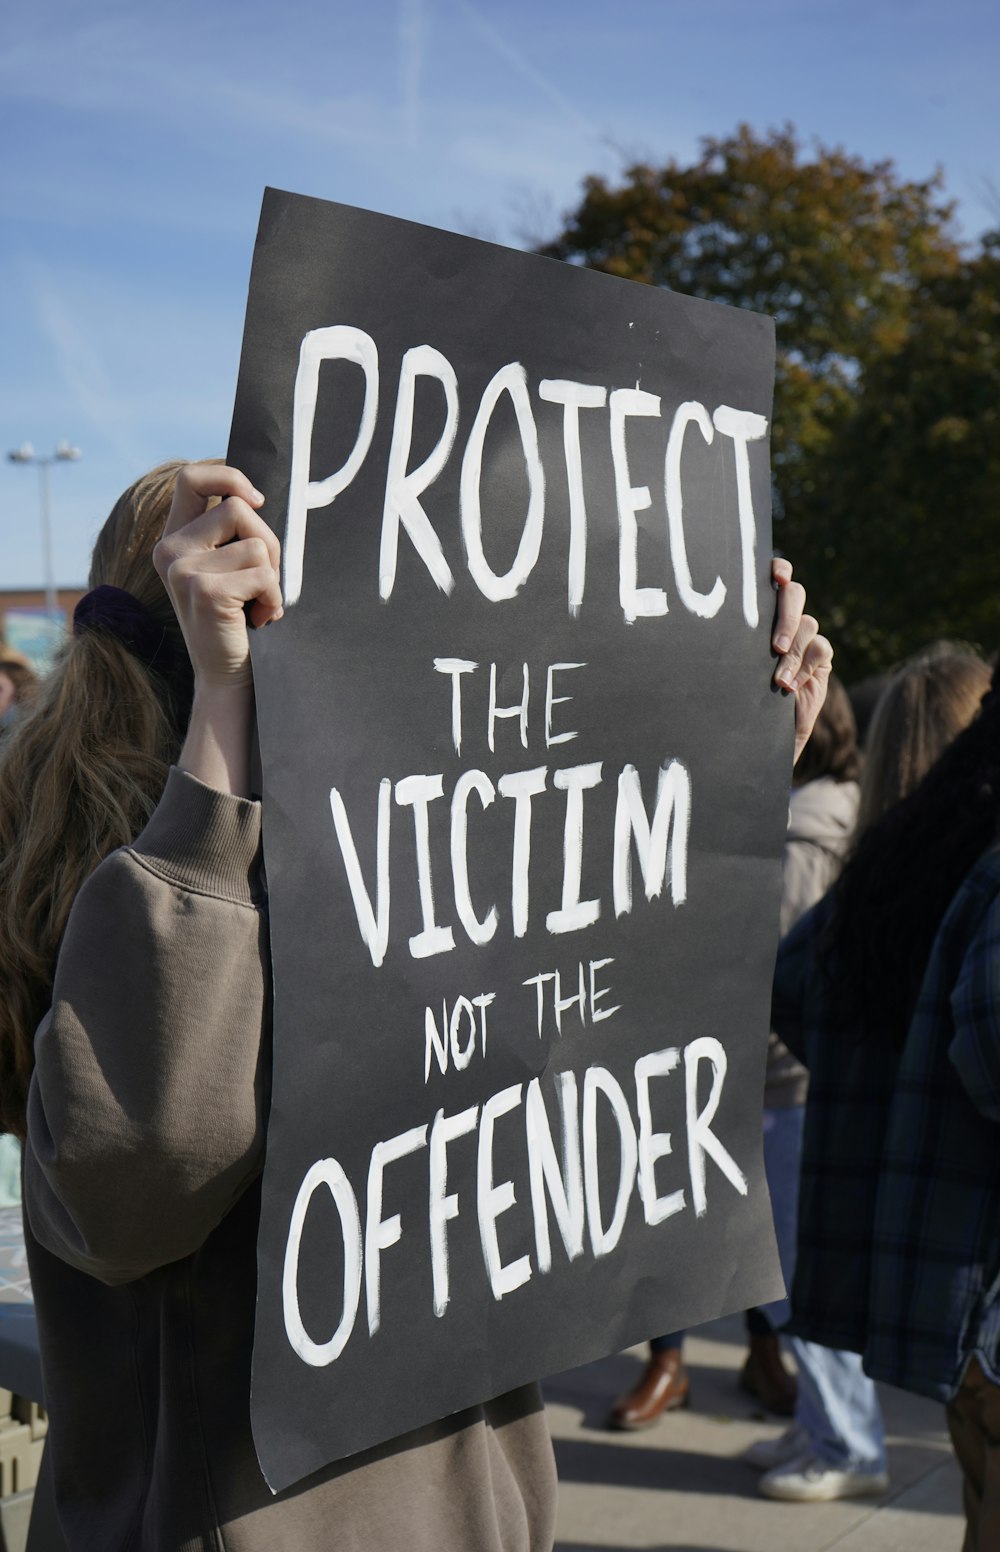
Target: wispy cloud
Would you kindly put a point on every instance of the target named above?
(132, 67)
(524, 67)
(411, 26)
(80, 364)
(127, 363)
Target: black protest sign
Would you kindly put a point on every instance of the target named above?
(525, 787)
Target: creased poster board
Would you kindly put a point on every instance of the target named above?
(525, 788)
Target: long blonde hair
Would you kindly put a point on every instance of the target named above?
(79, 775)
(925, 705)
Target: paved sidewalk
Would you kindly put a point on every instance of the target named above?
(681, 1485)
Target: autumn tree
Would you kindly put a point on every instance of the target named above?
(835, 249)
(904, 521)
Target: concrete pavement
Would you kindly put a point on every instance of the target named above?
(681, 1485)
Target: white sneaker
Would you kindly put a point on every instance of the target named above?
(809, 1480)
(791, 1445)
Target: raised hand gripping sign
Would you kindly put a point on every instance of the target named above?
(525, 788)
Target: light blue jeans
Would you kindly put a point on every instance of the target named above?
(10, 1172)
(837, 1404)
(782, 1158)
(838, 1407)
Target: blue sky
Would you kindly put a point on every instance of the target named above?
(135, 142)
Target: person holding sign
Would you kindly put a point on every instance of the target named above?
(133, 934)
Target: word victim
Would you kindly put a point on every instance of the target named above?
(660, 844)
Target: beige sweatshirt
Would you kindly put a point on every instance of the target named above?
(145, 1142)
(821, 820)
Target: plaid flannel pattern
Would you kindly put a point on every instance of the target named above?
(850, 1088)
(899, 1233)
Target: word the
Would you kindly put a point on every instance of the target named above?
(586, 1005)
(458, 667)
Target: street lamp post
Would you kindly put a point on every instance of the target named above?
(64, 453)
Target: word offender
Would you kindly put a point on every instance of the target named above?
(565, 1180)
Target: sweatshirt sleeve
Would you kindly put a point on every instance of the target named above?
(147, 1103)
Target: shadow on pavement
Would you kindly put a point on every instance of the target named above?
(656, 1470)
(590, 1546)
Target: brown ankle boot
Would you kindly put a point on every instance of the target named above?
(663, 1387)
(765, 1376)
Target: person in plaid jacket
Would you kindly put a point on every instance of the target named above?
(889, 991)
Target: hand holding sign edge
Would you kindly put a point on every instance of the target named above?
(805, 658)
(219, 563)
